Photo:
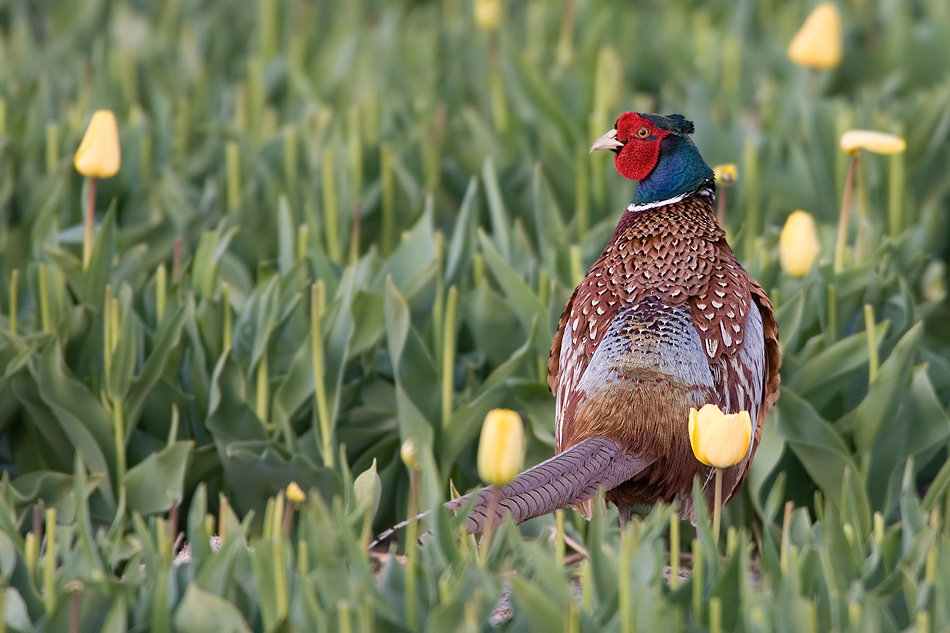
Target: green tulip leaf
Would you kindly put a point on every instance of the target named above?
(886, 390)
(201, 611)
(155, 484)
(816, 444)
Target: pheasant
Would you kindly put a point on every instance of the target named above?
(665, 320)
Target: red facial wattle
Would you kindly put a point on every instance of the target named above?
(639, 155)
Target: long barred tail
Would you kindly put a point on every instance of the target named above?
(567, 479)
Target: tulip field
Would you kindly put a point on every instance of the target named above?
(256, 309)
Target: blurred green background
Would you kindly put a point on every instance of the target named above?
(403, 198)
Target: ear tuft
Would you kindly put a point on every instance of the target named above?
(680, 124)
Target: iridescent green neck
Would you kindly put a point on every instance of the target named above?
(679, 171)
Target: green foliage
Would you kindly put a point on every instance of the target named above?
(339, 226)
(841, 570)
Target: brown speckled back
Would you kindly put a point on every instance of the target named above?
(673, 311)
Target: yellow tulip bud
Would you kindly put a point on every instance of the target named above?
(488, 14)
(295, 494)
(818, 44)
(719, 439)
(726, 174)
(798, 244)
(98, 155)
(407, 452)
(877, 142)
(500, 447)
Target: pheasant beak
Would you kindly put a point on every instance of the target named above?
(607, 141)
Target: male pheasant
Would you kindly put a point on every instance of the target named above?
(665, 320)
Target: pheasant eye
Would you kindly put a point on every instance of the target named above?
(643, 132)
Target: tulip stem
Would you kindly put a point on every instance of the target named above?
(717, 506)
(343, 613)
(750, 229)
(895, 195)
(52, 147)
(412, 548)
(290, 157)
(587, 585)
(573, 624)
(107, 336)
(577, 267)
(715, 615)
(388, 198)
(845, 211)
(331, 211)
(623, 582)
(697, 578)
(674, 550)
(90, 218)
(303, 557)
(280, 573)
(316, 339)
(438, 302)
(786, 526)
(176, 260)
(303, 237)
(559, 538)
(485, 545)
(223, 518)
(355, 233)
(354, 142)
(873, 363)
(831, 333)
(544, 296)
(581, 193)
(478, 269)
(565, 42)
(44, 299)
(14, 284)
(721, 207)
(496, 86)
(232, 160)
(226, 316)
(367, 615)
(448, 356)
(161, 292)
(118, 425)
(262, 395)
(49, 562)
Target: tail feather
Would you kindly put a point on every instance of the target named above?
(567, 479)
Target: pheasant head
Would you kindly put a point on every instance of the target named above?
(657, 151)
